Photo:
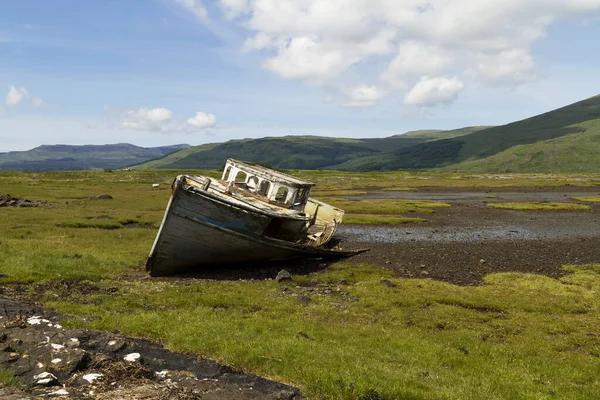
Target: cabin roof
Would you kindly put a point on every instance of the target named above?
(269, 174)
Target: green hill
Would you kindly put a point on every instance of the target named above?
(436, 134)
(556, 130)
(575, 152)
(291, 152)
(297, 152)
(66, 157)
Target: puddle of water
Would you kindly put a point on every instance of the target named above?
(380, 234)
(472, 196)
(384, 234)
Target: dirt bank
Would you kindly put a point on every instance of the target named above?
(53, 362)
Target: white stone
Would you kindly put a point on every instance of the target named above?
(92, 377)
(57, 346)
(56, 361)
(59, 392)
(132, 357)
(35, 320)
(43, 375)
(163, 373)
(112, 342)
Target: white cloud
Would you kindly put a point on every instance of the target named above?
(363, 96)
(325, 42)
(202, 120)
(511, 66)
(415, 59)
(37, 101)
(16, 95)
(196, 7)
(154, 119)
(431, 91)
(305, 58)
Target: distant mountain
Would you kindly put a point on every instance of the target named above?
(563, 140)
(66, 157)
(289, 152)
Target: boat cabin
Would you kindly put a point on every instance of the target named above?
(268, 185)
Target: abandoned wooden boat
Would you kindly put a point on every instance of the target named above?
(252, 214)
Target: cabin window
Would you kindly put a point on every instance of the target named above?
(241, 177)
(281, 195)
(253, 183)
(226, 174)
(300, 197)
(264, 188)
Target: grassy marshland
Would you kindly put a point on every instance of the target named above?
(590, 199)
(365, 334)
(539, 206)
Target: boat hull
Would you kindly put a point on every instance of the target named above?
(198, 231)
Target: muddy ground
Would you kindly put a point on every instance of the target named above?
(463, 243)
(459, 245)
(53, 362)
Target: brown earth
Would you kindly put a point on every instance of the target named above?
(464, 243)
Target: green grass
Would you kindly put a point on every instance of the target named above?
(539, 206)
(590, 199)
(7, 378)
(383, 212)
(517, 336)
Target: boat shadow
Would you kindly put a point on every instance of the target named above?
(258, 270)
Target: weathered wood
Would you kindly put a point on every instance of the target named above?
(205, 225)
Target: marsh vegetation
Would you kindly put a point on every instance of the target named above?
(365, 332)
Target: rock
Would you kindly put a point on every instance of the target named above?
(77, 360)
(388, 283)
(482, 261)
(303, 299)
(45, 379)
(424, 273)
(101, 197)
(90, 378)
(132, 357)
(283, 275)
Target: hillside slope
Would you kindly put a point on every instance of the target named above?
(67, 157)
(561, 123)
(576, 153)
(297, 152)
(293, 152)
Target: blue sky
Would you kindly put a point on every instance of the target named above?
(157, 72)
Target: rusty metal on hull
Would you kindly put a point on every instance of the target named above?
(268, 215)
